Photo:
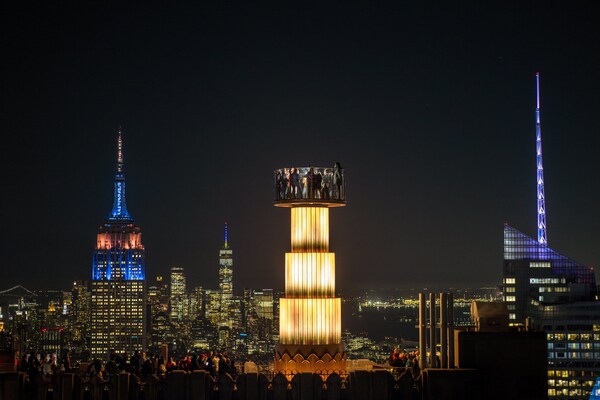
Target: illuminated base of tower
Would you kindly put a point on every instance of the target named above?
(323, 359)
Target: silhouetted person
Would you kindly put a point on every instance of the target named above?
(317, 182)
(295, 183)
(66, 361)
(338, 182)
(33, 367)
(310, 183)
(23, 365)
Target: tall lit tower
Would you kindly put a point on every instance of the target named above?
(177, 294)
(118, 278)
(226, 279)
(541, 197)
(310, 314)
(549, 291)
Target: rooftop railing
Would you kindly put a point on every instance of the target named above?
(295, 186)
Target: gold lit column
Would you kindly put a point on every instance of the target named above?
(310, 314)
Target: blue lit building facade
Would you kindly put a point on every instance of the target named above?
(596, 391)
(118, 279)
(548, 291)
(557, 295)
(535, 274)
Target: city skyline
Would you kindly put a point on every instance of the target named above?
(435, 126)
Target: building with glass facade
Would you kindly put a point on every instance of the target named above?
(548, 291)
(177, 294)
(118, 279)
(558, 295)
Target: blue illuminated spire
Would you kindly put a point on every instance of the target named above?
(541, 197)
(119, 211)
(226, 245)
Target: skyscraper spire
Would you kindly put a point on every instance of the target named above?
(541, 197)
(226, 245)
(119, 211)
(120, 152)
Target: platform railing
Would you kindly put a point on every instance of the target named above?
(301, 184)
(185, 385)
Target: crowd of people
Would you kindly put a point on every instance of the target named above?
(310, 183)
(216, 363)
(401, 358)
(45, 367)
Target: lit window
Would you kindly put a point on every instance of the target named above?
(536, 264)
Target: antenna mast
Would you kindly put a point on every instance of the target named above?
(541, 197)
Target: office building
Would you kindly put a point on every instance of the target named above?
(118, 278)
(551, 292)
(177, 294)
(80, 314)
(226, 302)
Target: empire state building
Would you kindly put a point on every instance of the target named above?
(118, 278)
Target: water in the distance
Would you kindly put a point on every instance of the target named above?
(379, 323)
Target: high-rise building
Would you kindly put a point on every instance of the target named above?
(535, 274)
(263, 303)
(197, 303)
(264, 307)
(226, 281)
(551, 292)
(52, 341)
(80, 314)
(310, 314)
(213, 305)
(118, 278)
(256, 333)
(176, 298)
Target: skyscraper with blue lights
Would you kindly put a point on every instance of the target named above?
(548, 291)
(118, 278)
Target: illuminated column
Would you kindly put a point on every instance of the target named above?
(310, 314)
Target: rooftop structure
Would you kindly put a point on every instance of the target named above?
(310, 186)
(310, 314)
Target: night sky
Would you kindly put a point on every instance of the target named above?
(430, 110)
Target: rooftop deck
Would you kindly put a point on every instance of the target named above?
(310, 186)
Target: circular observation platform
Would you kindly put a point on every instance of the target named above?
(310, 186)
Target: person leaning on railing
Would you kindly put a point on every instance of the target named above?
(396, 359)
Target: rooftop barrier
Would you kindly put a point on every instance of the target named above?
(320, 186)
